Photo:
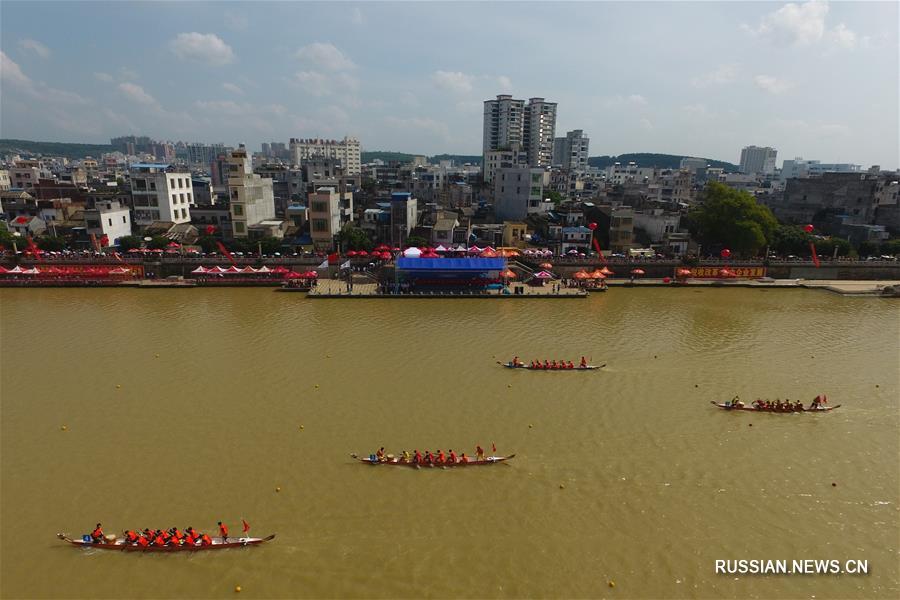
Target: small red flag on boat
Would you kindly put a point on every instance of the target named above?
(493, 447)
(246, 526)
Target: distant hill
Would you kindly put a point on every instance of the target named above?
(369, 156)
(649, 159)
(68, 150)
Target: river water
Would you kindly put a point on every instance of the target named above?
(626, 475)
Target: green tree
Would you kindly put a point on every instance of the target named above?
(790, 239)
(159, 242)
(417, 241)
(207, 243)
(729, 218)
(555, 197)
(128, 242)
(51, 243)
(354, 238)
(891, 247)
(827, 247)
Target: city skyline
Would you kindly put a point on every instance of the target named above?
(810, 79)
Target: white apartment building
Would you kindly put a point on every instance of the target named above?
(108, 218)
(539, 131)
(252, 197)
(503, 159)
(5, 181)
(618, 173)
(519, 191)
(160, 194)
(346, 150)
(571, 152)
(504, 120)
(329, 211)
(799, 168)
(758, 159)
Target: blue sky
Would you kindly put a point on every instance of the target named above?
(814, 79)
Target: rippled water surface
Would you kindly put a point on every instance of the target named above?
(626, 475)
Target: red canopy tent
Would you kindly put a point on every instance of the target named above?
(280, 270)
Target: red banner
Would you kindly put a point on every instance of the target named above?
(722, 272)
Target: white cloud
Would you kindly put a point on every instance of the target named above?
(453, 81)
(794, 24)
(619, 101)
(696, 110)
(324, 56)
(646, 124)
(356, 16)
(35, 46)
(723, 74)
(843, 37)
(420, 125)
(104, 77)
(802, 25)
(409, 99)
(126, 73)
(770, 84)
(227, 107)
(12, 74)
(236, 21)
(136, 93)
(504, 82)
(322, 84)
(202, 47)
(233, 88)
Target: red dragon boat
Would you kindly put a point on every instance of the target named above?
(397, 462)
(120, 544)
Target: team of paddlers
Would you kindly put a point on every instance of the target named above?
(436, 458)
(549, 364)
(158, 537)
(782, 406)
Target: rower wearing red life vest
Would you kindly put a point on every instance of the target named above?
(464, 459)
(546, 364)
(159, 540)
(223, 531)
(479, 453)
(452, 457)
(417, 458)
(142, 541)
(205, 540)
(569, 365)
(440, 457)
(97, 534)
(583, 362)
(131, 537)
(380, 454)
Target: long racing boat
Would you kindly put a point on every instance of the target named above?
(509, 365)
(394, 461)
(778, 412)
(120, 544)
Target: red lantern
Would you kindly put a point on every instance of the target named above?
(210, 229)
(667, 280)
(725, 253)
(592, 226)
(808, 228)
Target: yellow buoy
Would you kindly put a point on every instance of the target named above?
(327, 356)
(530, 426)
(157, 356)
(317, 386)
(301, 428)
(64, 428)
(562, 486)
(118, 386)
(612, 583)
(277, 489)
(237, 588)
(509, 385)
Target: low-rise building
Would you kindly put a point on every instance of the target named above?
(160, 193)
(251, 196)
(519, 191)
(404, 216)
(329, 211)
(514, 234)
(108, 221)
(658, 223)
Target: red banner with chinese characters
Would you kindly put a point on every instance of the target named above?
(720, 272)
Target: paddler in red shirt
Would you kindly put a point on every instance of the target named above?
(223, 531)
(417, 458)
(452, 457)
(97, 535)
(130, 537)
